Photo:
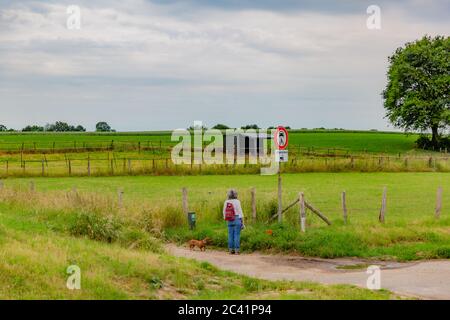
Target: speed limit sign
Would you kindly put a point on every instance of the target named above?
(281, 139)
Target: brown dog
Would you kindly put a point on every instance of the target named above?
(201, 244)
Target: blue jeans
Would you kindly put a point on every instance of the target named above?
(234, 234)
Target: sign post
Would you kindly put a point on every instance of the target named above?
(281, 139)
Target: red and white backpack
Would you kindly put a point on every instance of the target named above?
(230, 213)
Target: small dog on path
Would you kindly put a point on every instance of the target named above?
(201, 244)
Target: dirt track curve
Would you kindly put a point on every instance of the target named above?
(425, 279)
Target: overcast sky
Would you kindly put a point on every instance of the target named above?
(150, 65)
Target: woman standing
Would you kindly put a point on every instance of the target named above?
(232, 213)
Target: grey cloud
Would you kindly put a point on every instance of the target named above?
(420, 9)
(163, 64)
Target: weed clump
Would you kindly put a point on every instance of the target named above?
(95, 226)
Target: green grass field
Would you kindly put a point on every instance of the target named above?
(374, 142)
(80, 220)
(149, 153)
(410, 232)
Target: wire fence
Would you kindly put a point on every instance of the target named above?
(164, 145)
(83, 146)
(117, 164)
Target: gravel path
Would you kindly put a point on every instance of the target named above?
(425, 279)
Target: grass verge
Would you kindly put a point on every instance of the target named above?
(140, 224)
(35, 253)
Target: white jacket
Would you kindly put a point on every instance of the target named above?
(237, 207)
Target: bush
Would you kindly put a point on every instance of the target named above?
(267, 210)
(156, 220)
(137, 239)
(156, 282)
(172, 217)
(424, 142)
(443, 253)
(95, 226)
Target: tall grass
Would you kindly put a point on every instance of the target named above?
(89, 215)
(114, 166)
(138, 224)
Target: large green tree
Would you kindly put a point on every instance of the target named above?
(417, 93)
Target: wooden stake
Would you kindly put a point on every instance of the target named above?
(32, 188)
(280, 196)
(185, 201)
(120, 197)
(344, 207)
(438, 203)
(254, 204)
(308, 206)
(302, 212)
(318, 213)
(383, 206)
(89, 166)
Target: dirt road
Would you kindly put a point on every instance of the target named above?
(427, 279)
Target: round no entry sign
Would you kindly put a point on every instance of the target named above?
(281, 138)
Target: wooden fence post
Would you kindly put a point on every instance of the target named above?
(89, 166)
(302, 212)
(120, 197)
(129, 166)
(73, 194)
(438, 203)
(254, 204)
(344, 207)
(70, 167)
(383, 206)
(280, 197)
(185, 201)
